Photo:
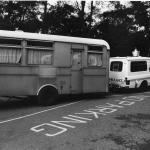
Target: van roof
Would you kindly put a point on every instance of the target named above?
(129, 58)
(55, 38)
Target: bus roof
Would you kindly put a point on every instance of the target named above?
(47, 37)
(130, 58)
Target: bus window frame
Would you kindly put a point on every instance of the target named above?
(20, 47)
(19, 39)
(47, 49)
(52, 43)
(95, 52)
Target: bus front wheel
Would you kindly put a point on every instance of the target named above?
(47, 96)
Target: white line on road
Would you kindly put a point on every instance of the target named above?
(29, 115)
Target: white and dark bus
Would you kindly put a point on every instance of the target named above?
(49, 65)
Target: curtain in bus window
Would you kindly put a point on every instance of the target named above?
(10, 55)
(39, 57)
(94, 59)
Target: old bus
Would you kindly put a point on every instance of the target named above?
(48, 65)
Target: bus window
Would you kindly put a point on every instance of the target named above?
(95, 55)
(40, 52)
(39, 57)
(10, 55)
(77, 59)
(39, 43)
(94, 59)
(95, 48)
(116, 66)
(10, 42)
(10, 51)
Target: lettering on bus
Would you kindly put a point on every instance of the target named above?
(58, 127)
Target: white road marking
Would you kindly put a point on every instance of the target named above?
(57, 127)
(29, 115)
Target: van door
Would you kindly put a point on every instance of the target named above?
(76, 71)
(117, 73)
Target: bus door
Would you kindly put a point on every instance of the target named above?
(76, 71)
(96, 73)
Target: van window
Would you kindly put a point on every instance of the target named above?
(116, 66)
(137, 66)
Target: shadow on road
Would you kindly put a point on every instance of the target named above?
(79, 97)
(27, 102)
(16, 103)
(128, 91)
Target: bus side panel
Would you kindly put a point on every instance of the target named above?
(94, 80)
(15, 81)
(62, 61)
(62, 54)
(106, 66)
(63, 80)
(47, 76)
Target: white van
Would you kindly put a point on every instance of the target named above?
(129, 72)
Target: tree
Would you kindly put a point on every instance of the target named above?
(114, 28)
(45, 18)
(22, 15)
(122, 28)
(58, 18)
(141, 34)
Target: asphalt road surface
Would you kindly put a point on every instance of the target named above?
(120, 121)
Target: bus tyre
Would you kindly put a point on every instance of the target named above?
(47, 96)
(144, 86)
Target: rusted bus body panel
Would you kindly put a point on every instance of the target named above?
(18, 80)
(24, 80)
(94, 79)
(67, 76)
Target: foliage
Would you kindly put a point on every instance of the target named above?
(125, 27)
(21, 15)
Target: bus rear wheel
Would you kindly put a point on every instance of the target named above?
(47, 96)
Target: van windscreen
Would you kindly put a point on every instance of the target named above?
(116, 66)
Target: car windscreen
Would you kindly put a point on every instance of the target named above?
(116, 66)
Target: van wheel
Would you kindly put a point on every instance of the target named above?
(47, 96)
(144, 86)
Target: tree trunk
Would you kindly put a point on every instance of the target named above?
(44, 25)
